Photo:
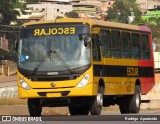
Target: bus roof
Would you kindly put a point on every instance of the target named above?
(93, 22)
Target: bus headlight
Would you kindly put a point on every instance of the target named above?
(24, 84)
(84, 81)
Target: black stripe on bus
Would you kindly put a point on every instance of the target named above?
(122, 71)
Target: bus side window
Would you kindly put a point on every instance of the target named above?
(96, 48)
(106, 45)
(145, 46)
(116, 44)
(126, 45)
(136, 50)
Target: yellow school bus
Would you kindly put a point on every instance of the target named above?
(84, 64)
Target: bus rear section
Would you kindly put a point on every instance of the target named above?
(123, 64)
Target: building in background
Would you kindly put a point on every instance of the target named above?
(93, 8)
(30, 15)
(3, 43)
(86, 11)
(150, 9)
(148, 4)
(3, 47)
(51, 11)
(157, 61)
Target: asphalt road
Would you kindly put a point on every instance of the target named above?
(109, 119)
(9, 89)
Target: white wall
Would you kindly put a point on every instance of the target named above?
(51, 11)
(157, 60)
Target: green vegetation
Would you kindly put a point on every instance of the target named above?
(72, 14)
(122, 9)
(17, 4)
(152, 20)
(7, 15)
(7, 11)
(151, 15)
(32, 1)
(154, 25)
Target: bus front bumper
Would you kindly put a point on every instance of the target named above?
(59, 92)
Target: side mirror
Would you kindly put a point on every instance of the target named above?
(96, 30)
(16, 47)
(87, 41)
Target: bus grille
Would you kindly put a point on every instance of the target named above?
(41, 78)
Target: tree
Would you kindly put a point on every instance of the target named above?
(121, 11)
(18, 4)
(72, 14)
(7, 11)
(32, 1)
(154, 24)
(8, 14)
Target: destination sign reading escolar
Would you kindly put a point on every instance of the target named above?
(54, 31)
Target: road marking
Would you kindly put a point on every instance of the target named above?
(8, 90)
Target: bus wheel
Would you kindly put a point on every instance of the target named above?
(73, 110)
(135, 101)
(97, 102)
(34, 107)
(123, 105)
(78, 109)
(84, 110)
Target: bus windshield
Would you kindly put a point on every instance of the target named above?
(66, 43)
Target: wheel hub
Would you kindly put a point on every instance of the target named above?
(137, 100)
(99, 99)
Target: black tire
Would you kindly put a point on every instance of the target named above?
(34, 107)
(73, 110)
(78, 109)
(123, 105)
(85, 110)
(131, 103)
(95, 106)
(135, 101)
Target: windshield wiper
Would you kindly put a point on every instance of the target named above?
(65, 64)
(47, 55)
